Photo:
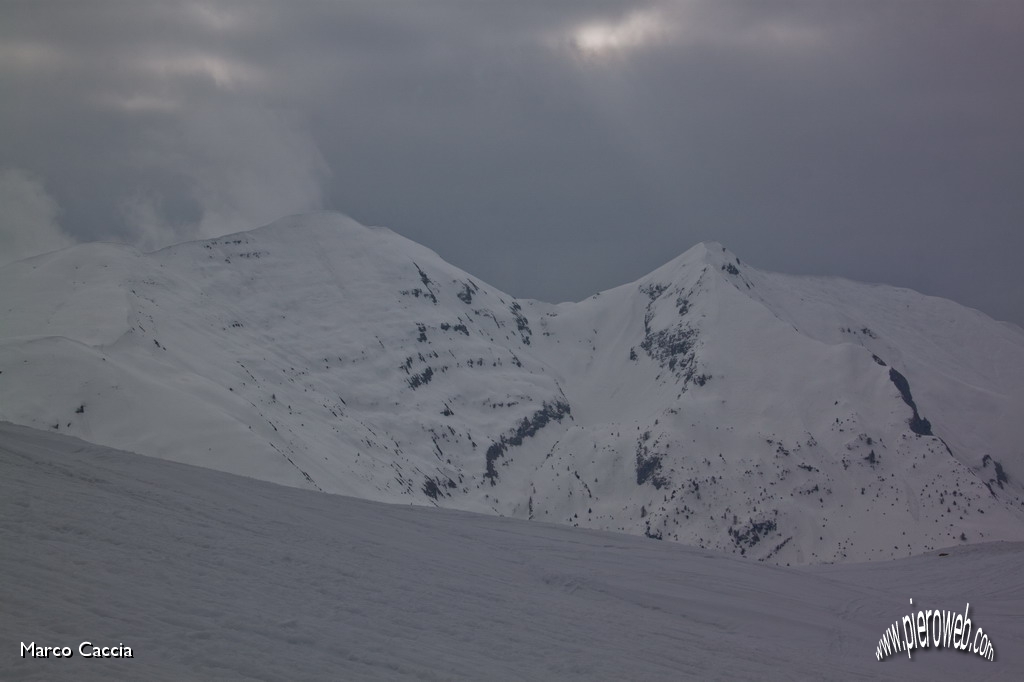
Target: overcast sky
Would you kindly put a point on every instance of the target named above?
(552, 149)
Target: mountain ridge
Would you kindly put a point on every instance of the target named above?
(707, 402)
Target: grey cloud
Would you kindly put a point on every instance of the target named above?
(28, 218)
(875, 140)
(231, 168)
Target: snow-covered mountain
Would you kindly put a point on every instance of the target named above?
(784, 418)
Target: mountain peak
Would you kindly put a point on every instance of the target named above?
(689, 265)
(711, 253)
(296, 228)
(324, 221)
(775, 421)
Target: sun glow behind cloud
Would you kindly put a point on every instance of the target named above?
(687, 23)
(636, 29)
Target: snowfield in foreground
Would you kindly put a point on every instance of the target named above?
(208, 575)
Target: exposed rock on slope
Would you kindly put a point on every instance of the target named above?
(783, 418)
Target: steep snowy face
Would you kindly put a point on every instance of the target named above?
(313, 352)
(706, 414)
(781, 418)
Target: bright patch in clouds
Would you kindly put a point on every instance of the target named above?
(688, 24)
(636, 29)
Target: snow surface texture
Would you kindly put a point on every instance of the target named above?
(786, 419)
(207, 575)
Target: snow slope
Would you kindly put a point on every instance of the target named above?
(788, 419)
(206, 575)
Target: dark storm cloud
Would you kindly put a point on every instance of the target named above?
(552, 149)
